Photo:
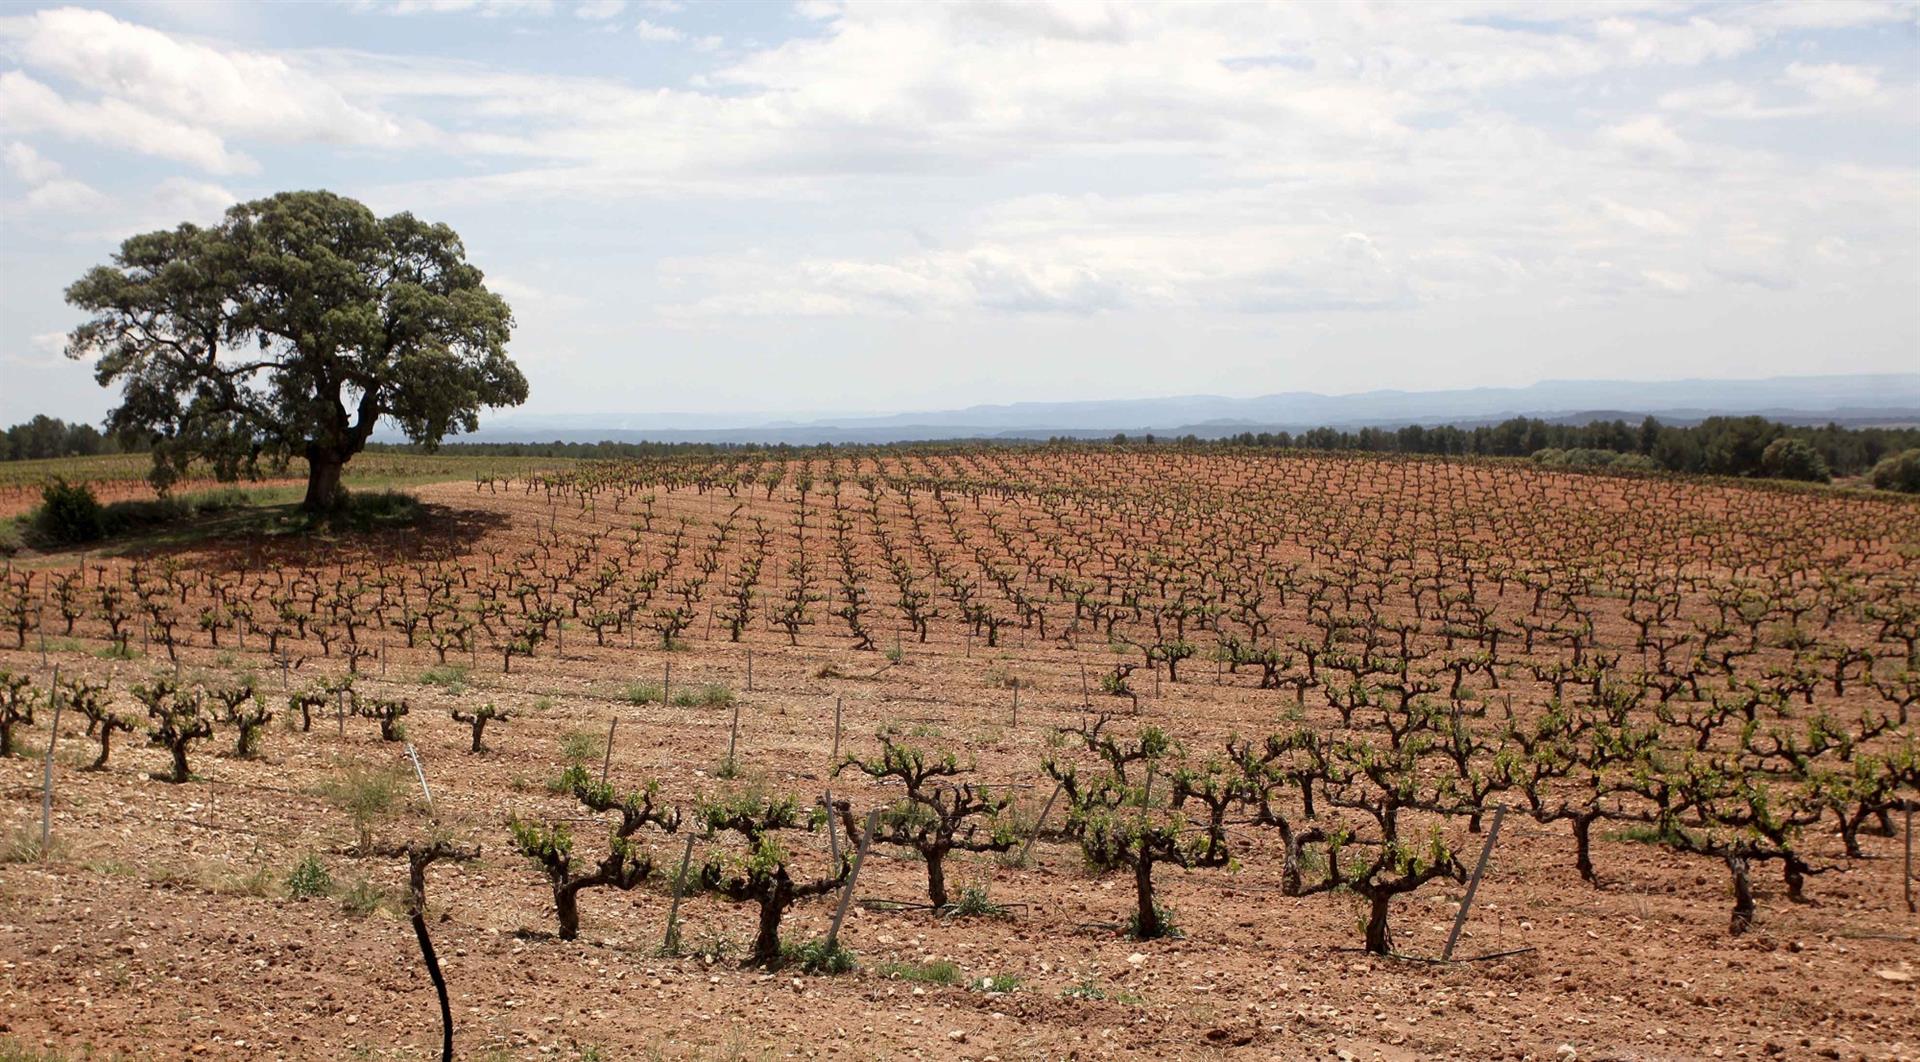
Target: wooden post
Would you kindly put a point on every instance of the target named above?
(1086, 699)
(833, 835)
(749, 670)
(340, 710)
(608, 760)
(53, 739)
(1911, 909)
(420, 773)
(1016, 704)
(666, 686)
(1473, 883)
(1039, 822)
(671, 945)
(733, 736)
(836, 733)
(853, 878)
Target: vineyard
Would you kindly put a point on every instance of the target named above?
(978, 752)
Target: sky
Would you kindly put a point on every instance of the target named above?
(827, 207)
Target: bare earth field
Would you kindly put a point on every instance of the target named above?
(160, 925)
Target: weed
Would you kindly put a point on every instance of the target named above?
(815, 957)
(309, 877)
(449, 677)
(938, 972)
(582, 747)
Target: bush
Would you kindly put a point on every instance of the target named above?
(1790, 458)
(11, 540)
(1590, 458)
(1899, 472)
(377, 509)
(70, 514)
(309, 877)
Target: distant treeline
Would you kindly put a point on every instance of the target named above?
(1725, 446)
(45, 436)
(1721, 446)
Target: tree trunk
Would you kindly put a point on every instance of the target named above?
(180, 772)
(937, 877)
(1742, 895)
(766, 944)
(1379, 941)
(1146, 919)
(566, 902)
(1583, 846)
(323, 483)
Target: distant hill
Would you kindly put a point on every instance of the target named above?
(1854, 400)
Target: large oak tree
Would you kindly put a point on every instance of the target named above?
(289, 329)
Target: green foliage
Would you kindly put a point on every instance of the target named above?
(449, 677)
(815, 957)
(363, 898)
(368, 794)
(69, 513)
(582, 746)
(999, 984)
(938, 972)
(1582, 457)
(711, 695)
(1166, 929)
(1898, 472)
(642, 692)
(1791, 458)
(974, 903)
(238, 343)
(309, 877)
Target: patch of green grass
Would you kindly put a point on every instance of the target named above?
(641, 692)
(1638, 834)
(815, 957)
(711, 695)
(449, 677)
(1001, 983)
(309, 877)
(581, 747)
(938, 972)
(363, 898)
(974, 903)
(1088, 989)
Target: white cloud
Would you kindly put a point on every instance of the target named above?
(161, 95)
(598, 10)
(653, 31)
(1647, 137)
(27, 106)
(1835, 82)
(24, 162)
(65, 196)
(483, 8)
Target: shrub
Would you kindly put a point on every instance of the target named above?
(711, 695)
(1790, 458)
(449, 677)
(309, 877)
(69, 513)
(580, 747)
(367, 794)
(1900, 472)
(815, 957)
